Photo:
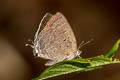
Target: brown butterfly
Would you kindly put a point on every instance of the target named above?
(56, 41)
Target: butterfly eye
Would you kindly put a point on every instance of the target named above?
(36, 54)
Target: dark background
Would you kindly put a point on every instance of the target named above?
(19, 20)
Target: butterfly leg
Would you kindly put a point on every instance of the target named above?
(78, 53)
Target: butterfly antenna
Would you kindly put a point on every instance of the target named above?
(31, 45)
(83, 43)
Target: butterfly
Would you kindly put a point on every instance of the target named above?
(56, 42)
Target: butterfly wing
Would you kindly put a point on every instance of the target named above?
(42, 24)
(56, 41)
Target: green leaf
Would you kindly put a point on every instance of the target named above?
(112, 52)
(80, 65)
(77, 65)
(64, 68)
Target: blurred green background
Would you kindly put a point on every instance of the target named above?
(19, 20)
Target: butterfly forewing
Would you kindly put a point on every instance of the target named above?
(42, 24)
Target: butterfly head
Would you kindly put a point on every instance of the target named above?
(36, 47)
